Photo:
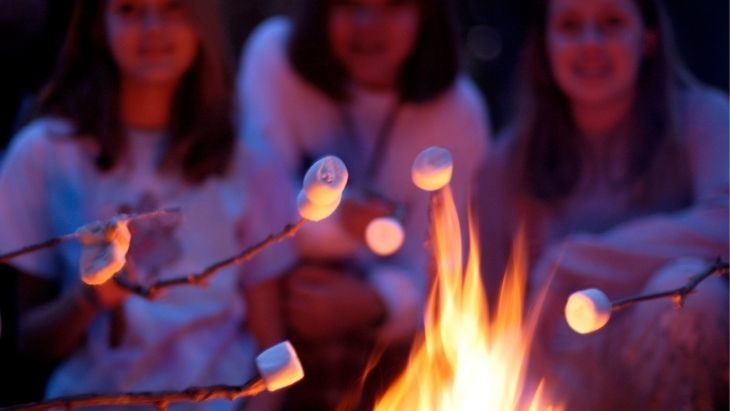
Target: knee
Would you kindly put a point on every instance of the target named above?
(710, 296)
(704, 311)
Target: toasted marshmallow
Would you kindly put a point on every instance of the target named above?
(104, 251)
(432, 169)
(325, 180)
(279, 366)
(384, 235)
(587, 310)
(315, 212)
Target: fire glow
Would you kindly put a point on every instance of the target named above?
(466, 360)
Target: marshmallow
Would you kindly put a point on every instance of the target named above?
(279, 366)
(325, 180)
(587, 310)
(432, 169)
(315, 212)
(384, 235)
(105, 246)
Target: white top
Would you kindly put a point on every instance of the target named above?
(278, 106)
(188, 335)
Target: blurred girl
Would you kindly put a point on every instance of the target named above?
(375, 81)
(616, 164)
(137, 118)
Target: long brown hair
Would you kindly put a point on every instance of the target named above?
(85, 89)
(548, 147)
(429, 70)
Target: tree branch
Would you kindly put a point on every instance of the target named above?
(678, 295)
(196, 279)
(71, 236)
(160, 400)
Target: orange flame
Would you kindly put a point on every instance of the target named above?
(464, 360)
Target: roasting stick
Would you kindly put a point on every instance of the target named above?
(278, 367)
(75, 235)
(589, 310)
(107, 242)
(321, 193)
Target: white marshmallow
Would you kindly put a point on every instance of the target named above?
(104, 251)
(325, 180)
(384, 235)
(432, 169)
(587, 310)
(315, 212)
(279, 366)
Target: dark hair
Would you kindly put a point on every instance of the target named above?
(85, 89)
(548, 163)
(429, 70)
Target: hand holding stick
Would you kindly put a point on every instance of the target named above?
(80, 232)
(106, 243)
(320, 195)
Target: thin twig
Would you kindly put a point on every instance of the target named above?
(719, 267)
(71, 236)
(195, 279)
(159, 400)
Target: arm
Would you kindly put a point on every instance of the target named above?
(63, 318)
(621, 260)
(45, 314)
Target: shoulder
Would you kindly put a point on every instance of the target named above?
(266, 45)
(701, 102)
(266, 74)
(705, 115)
(464, 97)
(41, 138)
(462, 108)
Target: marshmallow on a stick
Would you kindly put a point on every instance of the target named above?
(279, 366)
(384, 235)
(322, 188)
(432, 168)
(587, 310)
(315, 212)
(105, 246)
(325, 180)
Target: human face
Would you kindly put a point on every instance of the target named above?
(595, 48)
(152, 41)
(373, 38)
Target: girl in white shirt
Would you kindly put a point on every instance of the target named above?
(137, 118)
(616, 165)
(375, 82)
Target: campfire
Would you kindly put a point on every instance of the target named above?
(466, 358)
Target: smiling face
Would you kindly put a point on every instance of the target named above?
(595, 48)
(373, 38)
(152, 41)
